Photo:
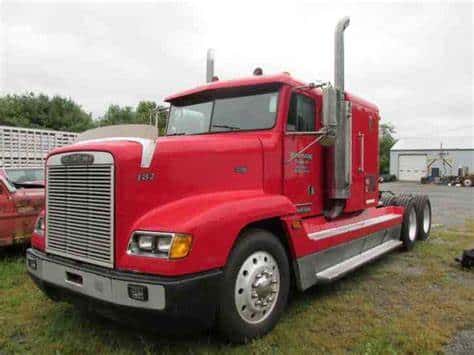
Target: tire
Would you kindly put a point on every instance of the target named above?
(388, 199)
(257, 258)
(409, 230)
(467, 182)
(423, 211)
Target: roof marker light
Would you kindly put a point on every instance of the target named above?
(258, 71)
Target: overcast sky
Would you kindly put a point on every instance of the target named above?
(415, 61)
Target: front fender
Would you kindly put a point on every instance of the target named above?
(214, 220)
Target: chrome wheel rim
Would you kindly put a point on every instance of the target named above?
(257, 287)
(412, 225)
(426, 219)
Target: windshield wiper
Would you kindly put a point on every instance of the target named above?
(226, 126)
(176, 134)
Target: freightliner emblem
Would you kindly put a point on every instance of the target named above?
(77, 159)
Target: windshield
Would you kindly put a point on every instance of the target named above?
(7, 184)
(20, 176)
(250, 112)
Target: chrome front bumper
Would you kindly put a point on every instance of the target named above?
(101, 287)
(185, 299)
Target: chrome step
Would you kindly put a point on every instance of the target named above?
(339, 270)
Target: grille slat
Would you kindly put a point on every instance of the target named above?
(80, 211)
(97, 247)
(79, 183)
(99, 203)
(77, 204)
(99, 236)
(78, 224)
(79, 245)
(100, 197)
(92, 214)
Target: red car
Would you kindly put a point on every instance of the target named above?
(19, 208)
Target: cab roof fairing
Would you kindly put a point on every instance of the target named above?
(267, 80)
(263, 80)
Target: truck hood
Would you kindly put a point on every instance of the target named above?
(180, 166)
(31, 200)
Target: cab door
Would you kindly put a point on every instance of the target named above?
(302, 156)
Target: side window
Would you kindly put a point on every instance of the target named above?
(301, 115)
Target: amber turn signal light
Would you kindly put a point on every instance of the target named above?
(296, 224)
(180, 246)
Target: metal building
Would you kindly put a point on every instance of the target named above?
(414, 158)
(26, 147)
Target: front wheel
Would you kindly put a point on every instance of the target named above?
(255, 287)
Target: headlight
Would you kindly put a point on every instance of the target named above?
(157, 244)
(39, 226)
(145, 242)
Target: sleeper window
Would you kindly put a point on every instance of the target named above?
(301, 115)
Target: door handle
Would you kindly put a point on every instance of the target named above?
(362, 163)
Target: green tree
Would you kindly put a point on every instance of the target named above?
(146, 113)
(40, 111)
(387, 130)
(118, 115)
(63, 114)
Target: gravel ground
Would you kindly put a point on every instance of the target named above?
(462, 344)
(451, 206)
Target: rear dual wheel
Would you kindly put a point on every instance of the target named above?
(423, 210)
(422, 207)
(409, 230)
(255, 287)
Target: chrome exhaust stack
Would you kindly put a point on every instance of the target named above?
(210, 65)
(337, 121)
(339, 53)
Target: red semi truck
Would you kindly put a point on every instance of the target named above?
(259, 184)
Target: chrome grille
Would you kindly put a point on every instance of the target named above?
(79, 210)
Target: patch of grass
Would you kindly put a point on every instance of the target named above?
(404, 303)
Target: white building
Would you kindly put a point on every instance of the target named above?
(414, 158)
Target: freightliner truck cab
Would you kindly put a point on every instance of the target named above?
(259, 183)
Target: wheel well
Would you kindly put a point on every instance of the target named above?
(276, 227)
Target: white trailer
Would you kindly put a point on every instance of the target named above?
(27, 147)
